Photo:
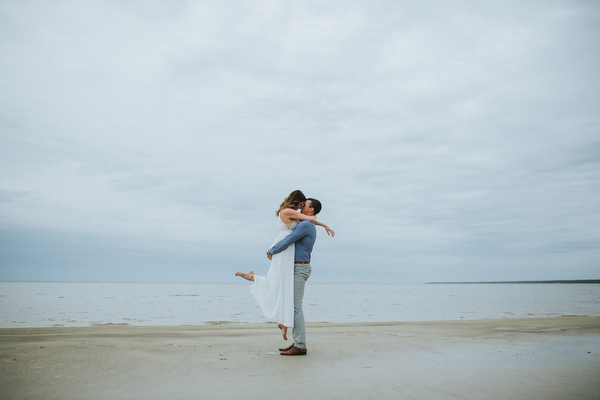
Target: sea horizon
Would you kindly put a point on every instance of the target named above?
(35, 304)
(240, 282)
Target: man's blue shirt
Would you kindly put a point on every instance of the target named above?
(304, 236)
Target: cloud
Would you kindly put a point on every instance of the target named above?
(445, 139)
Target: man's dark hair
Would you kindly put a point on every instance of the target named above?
(316, 204)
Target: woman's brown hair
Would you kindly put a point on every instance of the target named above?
(292, 201)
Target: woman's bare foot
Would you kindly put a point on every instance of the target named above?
(249, 276)
(283, 331)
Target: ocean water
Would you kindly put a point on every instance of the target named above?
(86, 304)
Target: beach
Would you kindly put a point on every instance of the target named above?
(518, 358)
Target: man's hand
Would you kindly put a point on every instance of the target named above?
(269, 255)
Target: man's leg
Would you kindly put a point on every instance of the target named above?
(301, 274)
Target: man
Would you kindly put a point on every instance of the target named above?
(304, 237)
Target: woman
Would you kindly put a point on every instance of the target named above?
(275, 291)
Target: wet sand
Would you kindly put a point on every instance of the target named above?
(530, 358)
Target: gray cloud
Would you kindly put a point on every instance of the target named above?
(446, 140)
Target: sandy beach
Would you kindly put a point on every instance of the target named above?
(533, 358)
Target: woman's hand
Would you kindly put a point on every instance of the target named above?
(330, 231)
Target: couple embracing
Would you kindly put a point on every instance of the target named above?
(279, 294)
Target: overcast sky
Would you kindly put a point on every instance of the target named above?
(153, 141)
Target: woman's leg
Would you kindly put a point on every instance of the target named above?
(283, 330)
(249, 276)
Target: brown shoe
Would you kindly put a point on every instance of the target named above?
(287, 348)
(295, 351)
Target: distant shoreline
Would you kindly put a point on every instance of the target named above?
(513, 282)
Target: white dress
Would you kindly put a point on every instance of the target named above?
(275, 292)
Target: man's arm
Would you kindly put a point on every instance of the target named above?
(297, 234)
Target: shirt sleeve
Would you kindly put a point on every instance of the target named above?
(297, 234)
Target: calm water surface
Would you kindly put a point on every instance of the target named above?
(85, 304)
